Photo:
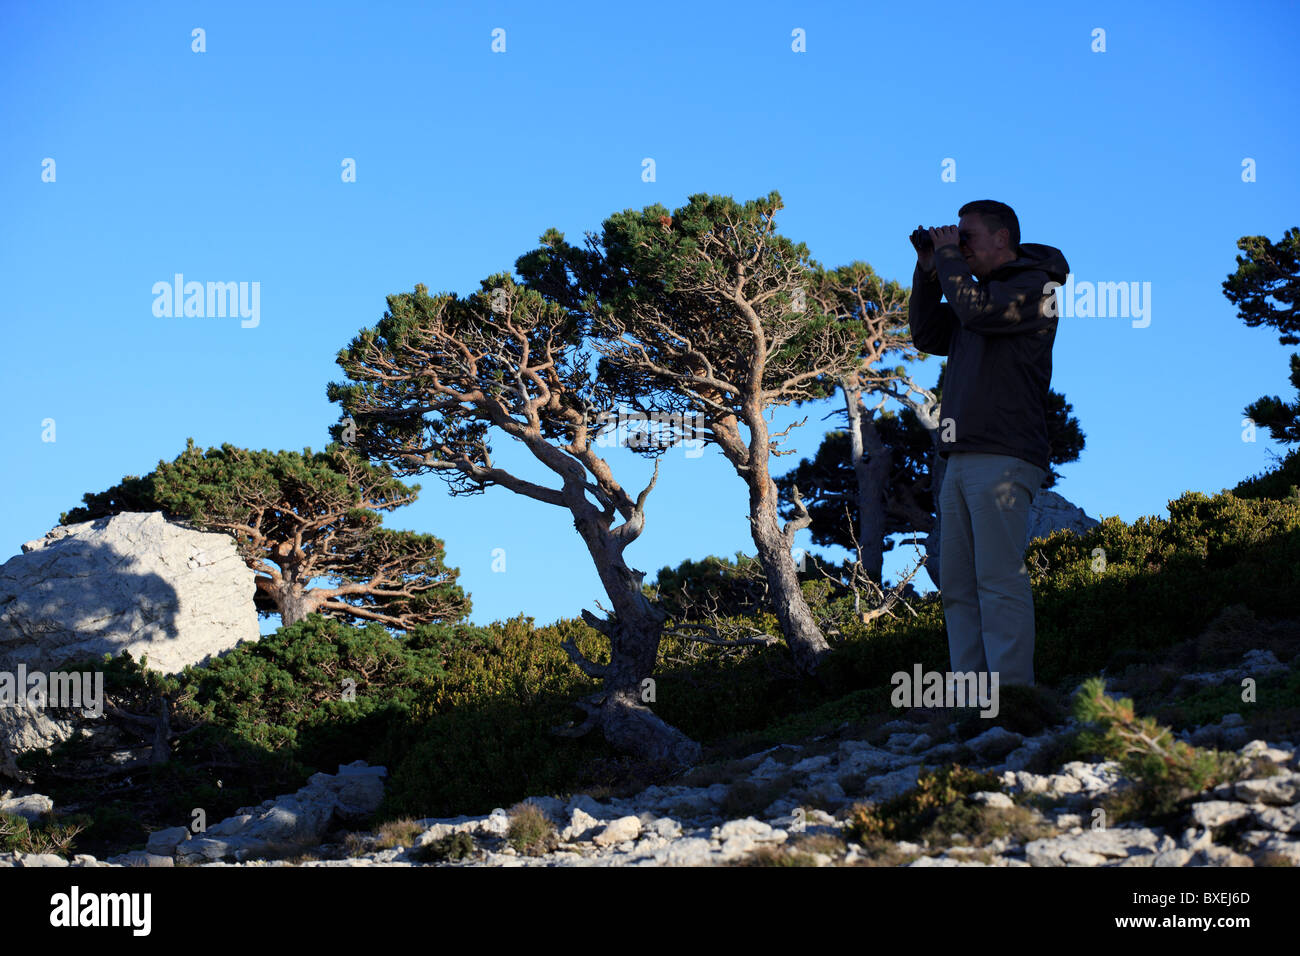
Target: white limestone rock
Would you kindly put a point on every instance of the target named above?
(131, 582)
(618, 831)
(164, 842)
(1094, 847)
(31, 807)
(1052, 512)
(1279, 819)
(747, 827)
(893, 784)
(582, 826)
(1280, 791)
(1217, 813)
(995, 742)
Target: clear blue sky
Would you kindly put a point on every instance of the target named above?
(225, 166)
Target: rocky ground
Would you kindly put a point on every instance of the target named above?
(787, 805)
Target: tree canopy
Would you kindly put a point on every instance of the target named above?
(296, 517)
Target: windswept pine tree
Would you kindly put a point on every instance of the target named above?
(711, 314)
(438, 377)
(297, 518)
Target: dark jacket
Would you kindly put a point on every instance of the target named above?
(998, 337)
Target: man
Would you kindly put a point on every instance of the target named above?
(997, 329)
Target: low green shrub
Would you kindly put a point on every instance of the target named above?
(905, 817)
(1165, 770)
(50, 835)
(531, 830)
(450, 848)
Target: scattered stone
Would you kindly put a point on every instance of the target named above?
(906, 743)
(1279, 819)
(994, 743)
(1228, 733)
(868, 759)
(1216, 813)
(891, 785)
(624, 828)
(31, 807)
(164, 842)
(926, 861)
(992, 798)
(497, 823)
(811, 764)
(581, 826)
(748, 827)
(1094, 847)
(1280, 791)
(1264, 842)
(900, 726)
(1260, 748)
(667, 828)
(1219, 856)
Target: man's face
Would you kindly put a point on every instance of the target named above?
(983, 252)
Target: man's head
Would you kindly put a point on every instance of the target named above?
(990, 235)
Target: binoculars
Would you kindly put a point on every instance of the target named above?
(922, 241)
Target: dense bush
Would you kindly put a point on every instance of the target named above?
(731, 586)
(904, 817)
(1280, 482)
(1162, 581)
(735, 587)
(481, 737)
(325, 689)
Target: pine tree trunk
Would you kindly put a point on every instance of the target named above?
(634, 632)
(294, 604)
(804, 637)
(871, 461)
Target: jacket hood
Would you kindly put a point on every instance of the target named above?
(1034, 255)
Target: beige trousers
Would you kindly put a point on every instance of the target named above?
(988, 604)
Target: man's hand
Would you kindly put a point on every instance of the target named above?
(924, 259)
(945, 236)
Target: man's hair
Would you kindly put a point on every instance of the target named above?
(995, 215)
